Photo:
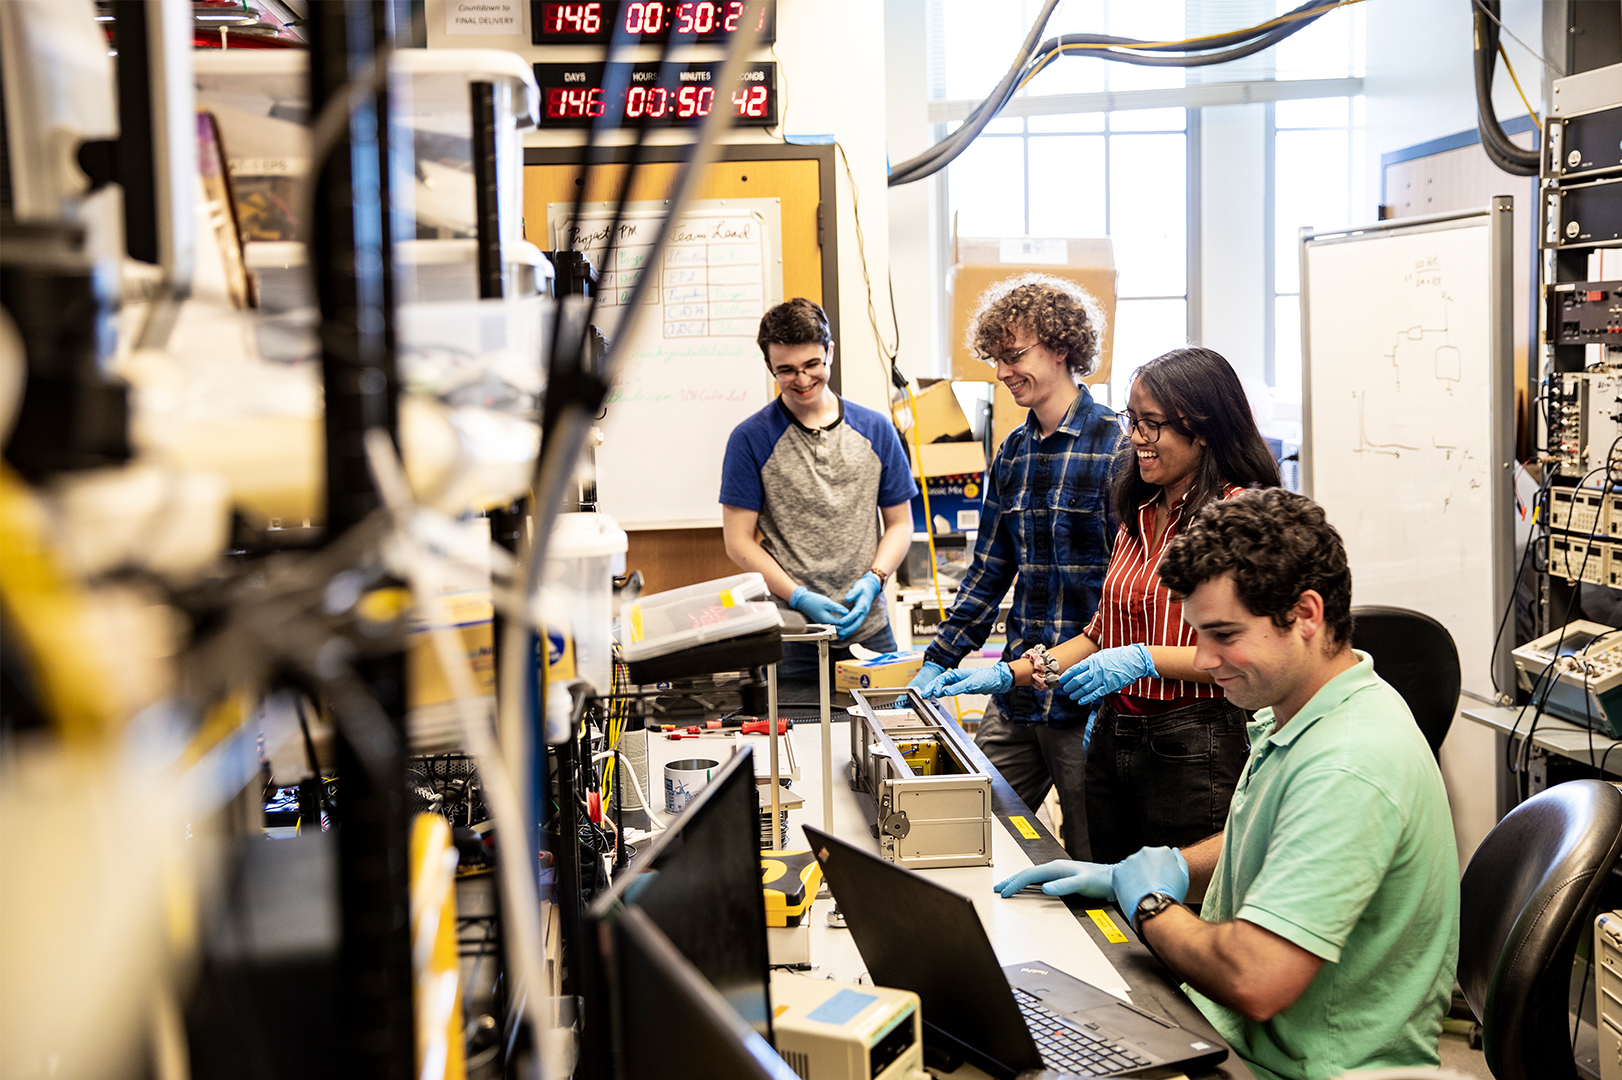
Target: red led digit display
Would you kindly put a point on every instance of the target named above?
(644, 18)
(702, 21)
(680, 95)
(572, 18)
(573, 103)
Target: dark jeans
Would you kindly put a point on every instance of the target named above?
(1162, 781)
(1034, 759)
(799, 663)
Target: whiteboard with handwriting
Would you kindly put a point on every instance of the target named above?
(694, 371)
(1408, 421)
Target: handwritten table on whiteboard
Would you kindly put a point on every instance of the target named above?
(694, 371)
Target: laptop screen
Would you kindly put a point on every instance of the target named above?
(918, 936)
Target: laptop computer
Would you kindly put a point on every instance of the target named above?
(916, 935)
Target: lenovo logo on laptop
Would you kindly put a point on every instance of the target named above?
(1036, 971)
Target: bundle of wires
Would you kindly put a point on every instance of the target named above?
(1503, 153)
(1033, 58)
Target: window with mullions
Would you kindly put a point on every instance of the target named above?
(1123, 174)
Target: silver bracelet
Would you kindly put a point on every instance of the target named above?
(1044, 668)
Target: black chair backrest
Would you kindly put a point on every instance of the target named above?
(1524, 901)
(1416, 655)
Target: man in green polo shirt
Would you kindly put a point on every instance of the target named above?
(1328, 932)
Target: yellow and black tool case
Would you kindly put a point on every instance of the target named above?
(790, 880)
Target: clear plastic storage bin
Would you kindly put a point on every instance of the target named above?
(586, 551)
(668, 622)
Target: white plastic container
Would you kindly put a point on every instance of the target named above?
(668, 622)
(586, 551)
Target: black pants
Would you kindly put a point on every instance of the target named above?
(1035, 758)
(1162, 781)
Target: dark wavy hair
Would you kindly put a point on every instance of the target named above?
(1277, 545)
(795, 322)
(1063, 316)
(1200, 390)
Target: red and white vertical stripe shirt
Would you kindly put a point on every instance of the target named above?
(1136, 607)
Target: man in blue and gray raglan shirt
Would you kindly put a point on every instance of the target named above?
(804, 484)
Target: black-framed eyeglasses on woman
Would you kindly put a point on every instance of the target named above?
(1149, 429)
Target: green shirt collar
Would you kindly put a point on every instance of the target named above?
(1328, 698)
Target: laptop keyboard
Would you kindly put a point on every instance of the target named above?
(1066, 1049)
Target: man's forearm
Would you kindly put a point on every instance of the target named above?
(1237, 964)
(747, 553)
(893, 547)
(1201, 859)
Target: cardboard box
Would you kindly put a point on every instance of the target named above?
(940, 415)
(947, 459)
(954, 502)
(881, 672)
(979, 264)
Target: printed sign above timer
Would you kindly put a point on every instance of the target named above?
(645, 21)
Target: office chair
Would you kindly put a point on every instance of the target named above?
(1416, 655)
(1525, 899)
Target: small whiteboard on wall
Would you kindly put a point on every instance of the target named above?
(1408, 417)
(694, 372)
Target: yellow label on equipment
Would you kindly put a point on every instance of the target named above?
(636, 623)
(1025, 828)
(726, 599)
(1112, 933)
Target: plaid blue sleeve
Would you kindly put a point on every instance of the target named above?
(979, 597)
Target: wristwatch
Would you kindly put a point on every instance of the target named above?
(1149, 907)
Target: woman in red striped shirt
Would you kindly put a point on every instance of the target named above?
(1167, 748)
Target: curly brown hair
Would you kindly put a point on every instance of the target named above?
(1063, 316)
(1277, 545)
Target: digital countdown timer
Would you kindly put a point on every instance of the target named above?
(574, 95)
(704, 21)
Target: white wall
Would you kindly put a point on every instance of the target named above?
(1420, 84)
(834, 79)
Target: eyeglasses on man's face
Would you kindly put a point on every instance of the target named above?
(1149, 429)
(810, 369)
(1010, 359)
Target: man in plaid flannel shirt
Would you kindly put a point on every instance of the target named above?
(1046, 529)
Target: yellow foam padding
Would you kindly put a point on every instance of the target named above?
(790, 880)
(49, 615)
(436, 969)
(922, 757)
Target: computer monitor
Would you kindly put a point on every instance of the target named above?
(672, 1022)
(699, 881)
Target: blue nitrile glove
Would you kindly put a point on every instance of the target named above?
(860, 600)
(996, 679)
(926, 675)
(1062, 878)
(816, 607)
(1151, 870)
(1107, 671)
